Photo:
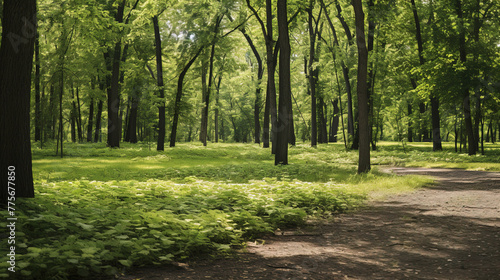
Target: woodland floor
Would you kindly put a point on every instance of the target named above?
(450, 230)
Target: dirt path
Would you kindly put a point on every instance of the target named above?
(448, 231)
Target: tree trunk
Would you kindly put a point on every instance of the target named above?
(52, 111)
(79, 119)
(161, 91)
(436, 129)
(436, 125)
(271, 69)
(260, 74)
(345, 72)
(97, 133)
(364, 131)
(91, 119)
(371, 72)
(132, 118)
(73, 116)
(204, 116)
(178, 97)
(335, 123)
(312, 77)
(16, 55)
(216, 111)
(112, 58)
(323, 134)
(465, 90)
(38, 110)
(285, 99)
(410, 123)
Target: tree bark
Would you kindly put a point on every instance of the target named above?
(312, 77)
(16, 55)
(410, 122)
(334, 128)
(38, 109)
(323, 134)
(204, 89)
(91, 120)
(285, 100)
(112, 58)
(98, 119)
(271, 69)
(364, 131)
(79, 119)
(216, 111)
(436, 125)
(160, 146)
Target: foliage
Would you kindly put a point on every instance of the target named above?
(89, 220)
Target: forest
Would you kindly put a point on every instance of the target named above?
(202, 124)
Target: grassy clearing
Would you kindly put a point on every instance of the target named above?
(421, 155)
(99, 210)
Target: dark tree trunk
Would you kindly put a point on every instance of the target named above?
(52, 111)
(260, 74)
(91, 120)
(265, 125)
(312, 78)
(436, 125)
(216, 111)
(131, 136)
(285, 99)
(73, 116)
(204, 90)
(465, 90)
(161, 91)
(16, 55)
(371, 70)
(178, 97)
(335, 123)
(410, 123)
(271, 69)
(79, 119)
(204, 116)
(323, 134)
(477, 120)
(113, 58)
(38, 110)
(435, 118)
(60, 139)
(270, 105)
(97, 133)
(345, 72)
(364, 130)
(424, 133)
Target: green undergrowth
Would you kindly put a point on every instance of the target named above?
(98, 211)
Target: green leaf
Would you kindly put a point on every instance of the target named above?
(126, 263)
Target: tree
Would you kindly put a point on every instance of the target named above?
(436, 126)
(178, 97)
(364, 130)
(285, 91)
(270, 106)
(161, 90)
(16, 56)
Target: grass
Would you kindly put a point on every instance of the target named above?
(99, 210)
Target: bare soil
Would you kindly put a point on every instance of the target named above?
(450, 230)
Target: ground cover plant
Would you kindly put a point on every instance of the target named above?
(100, 210)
